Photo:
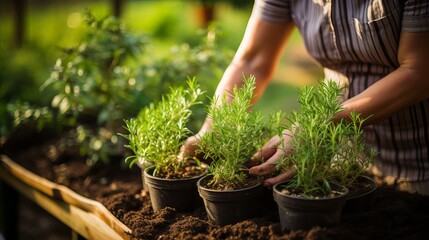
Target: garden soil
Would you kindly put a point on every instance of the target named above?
(395, 215)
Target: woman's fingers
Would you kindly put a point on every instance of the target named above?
(268, 150)
(268, 166)
(188, 148)
(269, 182)
(264, 153)
(272, 152)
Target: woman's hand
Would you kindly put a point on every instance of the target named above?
(189, 148)
(271, 152)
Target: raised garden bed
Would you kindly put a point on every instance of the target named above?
(395, 215)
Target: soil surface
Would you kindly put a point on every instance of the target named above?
(394, 215)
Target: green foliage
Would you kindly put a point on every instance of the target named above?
(19, 77)
(23, 113)
(94, 84)
(109, 76)
(323, 150)
(206, 61)
(235, 135)
(156, 134)
(92, 78)
(355, 156)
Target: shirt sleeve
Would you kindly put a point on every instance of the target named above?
(272, 10)
(415, 17)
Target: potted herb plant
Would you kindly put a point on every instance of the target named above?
(350, 164)
(229, 193)
(155, 137)
(311, 198)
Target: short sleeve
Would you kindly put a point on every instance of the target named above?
(415, 17)
(272, 10)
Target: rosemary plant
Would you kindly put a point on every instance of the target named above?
(156, 134)
(354, 156)
(323, 150)
(236, 134)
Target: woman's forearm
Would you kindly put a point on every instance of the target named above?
(396, 91)
(258, 55)
(407, 85)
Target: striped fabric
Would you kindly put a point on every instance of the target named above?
(356, 41)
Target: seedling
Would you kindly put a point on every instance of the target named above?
(354, 156)
(323, 150)
(156, 134)
(235, 135)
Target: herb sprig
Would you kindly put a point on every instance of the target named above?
(324, 150)
(236, 134)
(156, 134)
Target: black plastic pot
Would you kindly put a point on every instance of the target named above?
(181, 194)
(228, 207)
(359, 200)
(143, 167)
(304, 213)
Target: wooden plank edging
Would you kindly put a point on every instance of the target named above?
(61, 196)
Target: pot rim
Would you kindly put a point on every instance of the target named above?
(373, 188)
(278, 192)
(220, 191)
(147, 174)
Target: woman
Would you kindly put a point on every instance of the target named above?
(380, 48)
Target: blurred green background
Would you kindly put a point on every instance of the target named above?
(34, 32)
(48, 25)
(183, 37)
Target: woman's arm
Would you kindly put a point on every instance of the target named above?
(258, 55)
(407, 85)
